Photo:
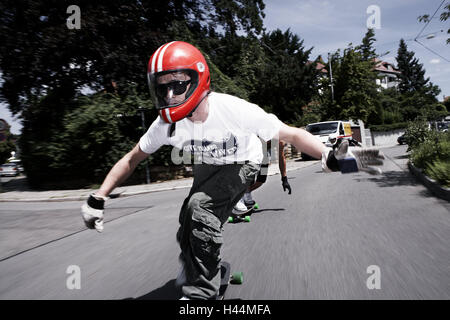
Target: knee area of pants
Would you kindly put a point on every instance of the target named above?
(198, 200)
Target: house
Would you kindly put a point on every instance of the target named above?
(387, 73)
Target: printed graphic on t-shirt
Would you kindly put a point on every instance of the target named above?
(212, 149)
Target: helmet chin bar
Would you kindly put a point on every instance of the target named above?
(193, 110)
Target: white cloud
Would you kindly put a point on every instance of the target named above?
(435, 61)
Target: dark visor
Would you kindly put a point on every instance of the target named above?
(178, 87)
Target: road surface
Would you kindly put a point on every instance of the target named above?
(329, 239)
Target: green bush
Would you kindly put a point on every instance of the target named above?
(416, 133)
(433, 156)
(440, 171)
(388, 127)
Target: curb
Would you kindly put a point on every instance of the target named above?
(86, 196)
(432, 185)
(125, 193)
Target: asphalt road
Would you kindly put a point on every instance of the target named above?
(314, 244)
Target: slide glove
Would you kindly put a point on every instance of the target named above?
(342, 159)
(285, 184)
(92, 212)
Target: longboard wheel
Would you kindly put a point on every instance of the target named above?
(247, 219)
(237, 278)
(256, 206)
(230, 219)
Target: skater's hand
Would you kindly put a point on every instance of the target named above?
(285, 184)
(92, 212)
(341, 158)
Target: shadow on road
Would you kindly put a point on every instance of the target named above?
(392, 179)
(167, 292)
(404, 156)
(18, 183)
(258, 211)
(397, 179)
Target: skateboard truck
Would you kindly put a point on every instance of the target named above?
(226, 277)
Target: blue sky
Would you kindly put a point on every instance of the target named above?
(328, 25)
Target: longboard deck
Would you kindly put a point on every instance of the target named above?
(225, 273)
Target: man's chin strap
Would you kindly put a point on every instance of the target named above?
(193, 110)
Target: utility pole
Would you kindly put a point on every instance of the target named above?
(331, 78)
(147, 170)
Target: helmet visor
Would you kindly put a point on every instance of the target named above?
(172, 88)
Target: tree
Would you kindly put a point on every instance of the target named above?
(366, 48)
(112, 46)
(387, 109)
(45, 66)
(412, 77)
(418, 94)
(355, 88)
(6, 144)
(288, 81)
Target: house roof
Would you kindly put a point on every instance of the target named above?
(319, 66)
(385, 67)
(382, 66)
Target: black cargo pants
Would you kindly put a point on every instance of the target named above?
(214, 193)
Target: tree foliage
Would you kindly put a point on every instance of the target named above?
(288, 81)
(46, 68)
(77, 92)
(366, 48)
(418, 95)
(412, 77)
(354, 85)
(444, 16)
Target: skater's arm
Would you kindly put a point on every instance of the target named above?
(341, 158)
(302, 140)
(282, 165)
(121, 171)
(281, 159)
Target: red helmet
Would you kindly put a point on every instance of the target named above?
(178, 58)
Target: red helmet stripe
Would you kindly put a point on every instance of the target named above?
(168, 115)
(161, 55)
(155, 55)
(162, 114)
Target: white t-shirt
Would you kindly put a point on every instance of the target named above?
(229, 134)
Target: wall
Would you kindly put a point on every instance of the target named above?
(386, 138)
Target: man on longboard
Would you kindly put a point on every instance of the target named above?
(222, 133)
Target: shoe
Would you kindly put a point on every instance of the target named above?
(240, 207)
(248, 200)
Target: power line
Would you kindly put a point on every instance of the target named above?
(431, 50)
(429, 20)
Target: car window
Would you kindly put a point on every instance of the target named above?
(322, 128)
